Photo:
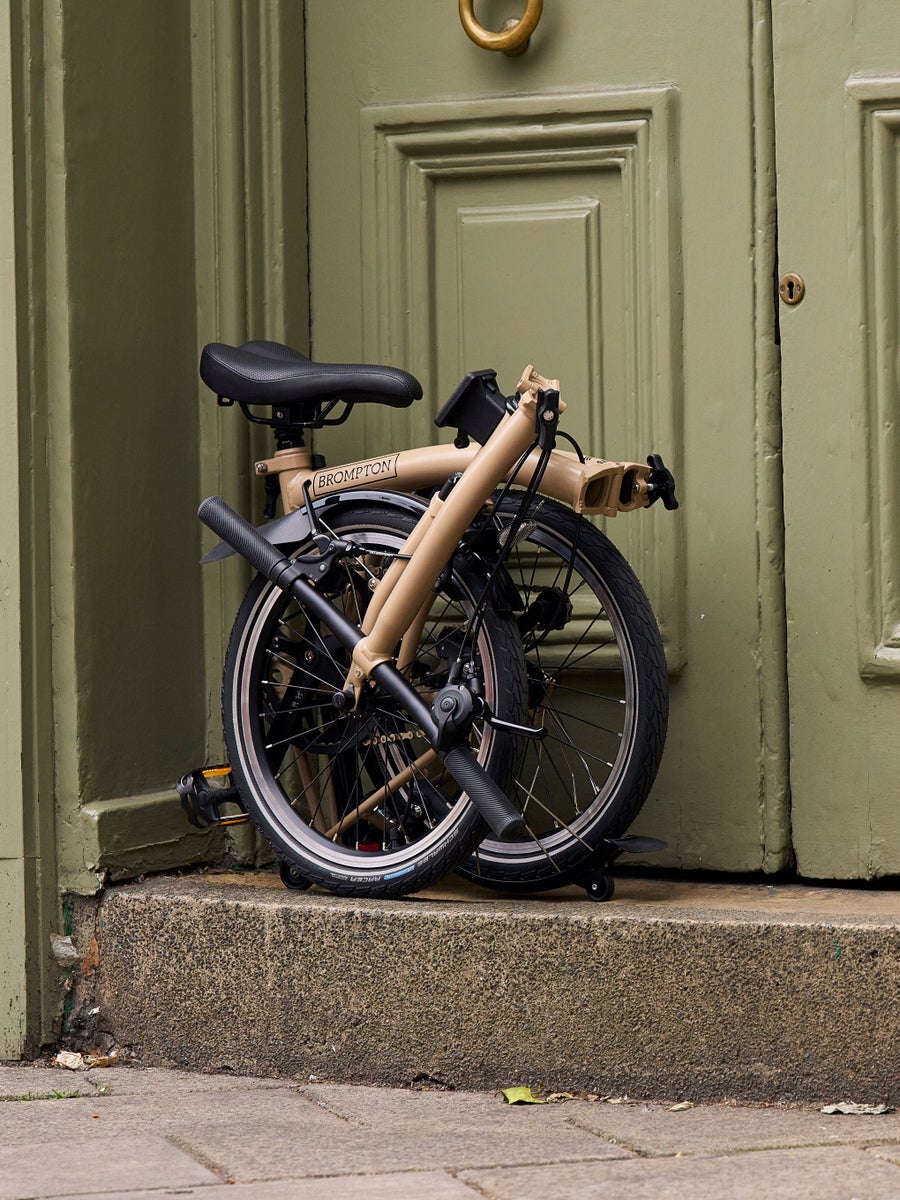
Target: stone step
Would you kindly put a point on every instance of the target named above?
(673, 989)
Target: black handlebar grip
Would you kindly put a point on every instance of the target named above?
(487, 795)
(241, 537)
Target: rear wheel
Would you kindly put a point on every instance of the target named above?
(597, 686)
(357, 801)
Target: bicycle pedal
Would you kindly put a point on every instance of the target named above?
(202, 799)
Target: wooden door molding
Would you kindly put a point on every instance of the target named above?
(873, 217)
(617, 139)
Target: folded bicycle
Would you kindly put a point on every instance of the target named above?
(441, 663)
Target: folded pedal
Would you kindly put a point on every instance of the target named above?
(203, 791)
(599, 883)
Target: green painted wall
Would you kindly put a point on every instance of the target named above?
(13, 858)
(157, 202)
(133, 425)
(123, 434)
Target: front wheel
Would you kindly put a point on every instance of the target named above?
(597, 686)
(358, 802)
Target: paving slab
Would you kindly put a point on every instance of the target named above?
(753, 993)
(412, 1185)
(96, 1166)
(151, 1081)
(284, 1149)
(24, 1083)
(830, 1174)
(375, 1106)
(210, 1118)
(707, 1129)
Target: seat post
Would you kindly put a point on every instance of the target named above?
(289, 420)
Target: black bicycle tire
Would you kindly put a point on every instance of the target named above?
(503, 647)
(516, 867)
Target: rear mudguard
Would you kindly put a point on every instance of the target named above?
(293, 528)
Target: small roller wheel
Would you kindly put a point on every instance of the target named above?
(600, 886)
(291, 877)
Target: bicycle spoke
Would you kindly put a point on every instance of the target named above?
(581, 754)
(557, 818)
(584, 721)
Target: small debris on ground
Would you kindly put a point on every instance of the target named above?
(70, 1059)
(73, 1061)
(849, 1109)
(102, 1060)
(521, 1095)
(682, 1107)
(91, 960)
(530, 1095)
(431, 1083)
(64, 949)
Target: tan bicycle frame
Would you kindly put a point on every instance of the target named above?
(593, 486)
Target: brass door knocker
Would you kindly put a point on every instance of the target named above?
(512, 39)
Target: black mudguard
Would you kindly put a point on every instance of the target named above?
(293, 528)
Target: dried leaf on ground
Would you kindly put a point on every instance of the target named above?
(91, 960)
(849, 1109)
(102, 1060)
(521, 1095)
(682, 1107)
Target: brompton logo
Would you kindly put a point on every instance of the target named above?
(355, 474)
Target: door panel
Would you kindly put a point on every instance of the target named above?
(550, 247)
(594, 207)
(838, 150)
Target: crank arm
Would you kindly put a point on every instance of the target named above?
(488, 797)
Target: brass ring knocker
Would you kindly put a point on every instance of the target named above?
(513, 39)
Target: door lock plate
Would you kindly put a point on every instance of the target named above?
(791, 288)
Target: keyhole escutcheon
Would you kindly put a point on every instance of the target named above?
(791, 288)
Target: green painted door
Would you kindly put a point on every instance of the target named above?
(601, 206)
(837, 90)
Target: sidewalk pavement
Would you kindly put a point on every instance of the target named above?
(134, 1134)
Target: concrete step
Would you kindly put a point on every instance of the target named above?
(703, 991)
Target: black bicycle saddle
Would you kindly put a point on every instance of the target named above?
(269, 373)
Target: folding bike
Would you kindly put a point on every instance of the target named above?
(441, 663)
